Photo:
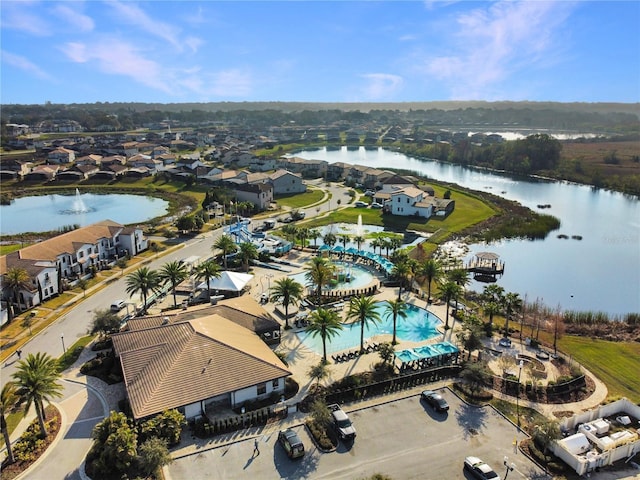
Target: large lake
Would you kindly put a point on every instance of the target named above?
(50, 212)
(601, 272)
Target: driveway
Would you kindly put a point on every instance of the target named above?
(403, 439)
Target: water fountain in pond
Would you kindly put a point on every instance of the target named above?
(359, 227)
(78, 206)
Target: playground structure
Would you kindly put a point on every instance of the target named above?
(264, 243)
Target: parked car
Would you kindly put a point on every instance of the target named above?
(291, 443)
(437, 401)
(369, 193)
(504, 342)
(360, 203)
(286, 220)
(342, 424)
(376, 205)
(117, 306)
(479, 469)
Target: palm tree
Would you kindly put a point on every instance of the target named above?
(314, 235)
(246, 253)
(512, 303)
(449, 291)
(431, 270)
(288, 292)
(227, 245)
(290, 233)
(363, 310)
(303, 234)
(376, 243)
(8, 399)
(14, 279)
(386, 244)
(395, 243)
(208, 270)
(143, 281)
(344, 238)
(492, 298)
(325, 323)
(38, 380)
(459, 276)
(319, 271)
(396, 308)
(491, 309)
(402, 271)
(174, 273)
(329, 239)
(359, 239)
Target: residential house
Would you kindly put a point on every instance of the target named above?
(260, 194)
(337, 171)
(308, 168)
(285, 182)
(199, 367)
(71, 255)
(408, 201)
(91, 159)
(61, 155)
(42, 173)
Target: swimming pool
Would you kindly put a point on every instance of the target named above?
(419, 325)
(359, 277)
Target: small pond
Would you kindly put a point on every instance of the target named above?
(44, 213)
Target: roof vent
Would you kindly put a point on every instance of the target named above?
(165, 320)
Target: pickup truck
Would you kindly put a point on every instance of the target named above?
(342, 424)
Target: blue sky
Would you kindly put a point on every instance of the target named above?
(332, 51)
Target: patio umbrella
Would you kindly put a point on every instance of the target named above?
(338, 249)
(324, 248)
(352, 251)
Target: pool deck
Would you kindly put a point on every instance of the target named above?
(301, 358)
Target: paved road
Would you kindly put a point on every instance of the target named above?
(74, 324)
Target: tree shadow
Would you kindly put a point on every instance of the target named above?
(472, 419)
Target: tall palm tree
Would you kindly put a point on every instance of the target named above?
(314, 235)
(143, 281)
(386, 244)
(363, 310)
(449, 291)
(490, 309)
(401, 271)
(174, 273)
(459, 276)
(396, 308)
(512, 303)
(14, 279)
(288, 292)
(344, 238)
(38, 380)
(227, 245)
(359, 239)
(303, 235)
(319, 272)
(208, 270)
(325, 323)
(376, 243)
(431, 270)
(492, 298)
(329, 239)
(8, 399)
(395, 243)
(246, 253)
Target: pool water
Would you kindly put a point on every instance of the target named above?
(359, 277)
(419, 325)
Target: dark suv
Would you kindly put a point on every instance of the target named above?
(291, 443)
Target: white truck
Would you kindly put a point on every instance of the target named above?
(342, 424)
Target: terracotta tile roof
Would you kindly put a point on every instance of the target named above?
(70, 242)
(178, 364)
(244, 311)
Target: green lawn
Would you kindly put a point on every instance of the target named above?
(469, 211)
(299, 200)
(615, 363)
(7, 249)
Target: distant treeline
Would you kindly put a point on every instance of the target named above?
(605, 118)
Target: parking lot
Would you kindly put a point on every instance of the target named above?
(404, 439)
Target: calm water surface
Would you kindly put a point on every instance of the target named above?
(601, 272)
(50, 212)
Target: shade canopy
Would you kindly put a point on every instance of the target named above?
(228, 281)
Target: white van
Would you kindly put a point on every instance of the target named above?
(117, 305)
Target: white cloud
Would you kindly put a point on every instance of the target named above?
(381, 86)
(225, 83)
(24, 64)
(134, 15)
(78, 21)
(493, 43)
(120, 58)
(20, 16)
